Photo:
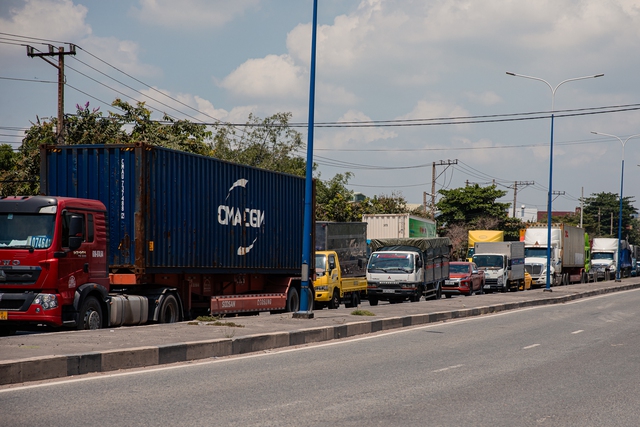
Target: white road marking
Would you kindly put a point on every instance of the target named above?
(577, 332)
(447, 368)
(530, 346)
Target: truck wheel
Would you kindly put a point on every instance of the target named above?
(90, 314)
(335, 300)
(354, 300)
(169, 312)
(293, 300)
(373, 301)
(6, 331)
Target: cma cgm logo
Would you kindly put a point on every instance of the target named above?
(243, 217)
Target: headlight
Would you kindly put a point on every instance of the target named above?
(500, 280)
(47, 301)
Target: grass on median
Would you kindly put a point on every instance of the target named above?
(215, 321)
(360, 312)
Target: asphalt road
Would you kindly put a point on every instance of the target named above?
(561, 365)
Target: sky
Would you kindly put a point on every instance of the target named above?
(403, 84)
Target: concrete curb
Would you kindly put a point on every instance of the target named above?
(49, 367)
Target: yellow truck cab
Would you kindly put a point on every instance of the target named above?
(340, 261)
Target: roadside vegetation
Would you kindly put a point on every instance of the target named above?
(271, 143)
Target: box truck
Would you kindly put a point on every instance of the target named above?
(482, 236)
(502, 263)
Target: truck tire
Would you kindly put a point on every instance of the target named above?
(354, 300)
(335, 300)
(293, 300)
(6, 331)
(90, 314)
(169, 312)
(373, 301)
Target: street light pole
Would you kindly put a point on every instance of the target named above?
(621, 187)
(549, 201)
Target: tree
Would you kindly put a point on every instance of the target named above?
(601, 216)
(268, 144)
(469, 204)
(7, 158)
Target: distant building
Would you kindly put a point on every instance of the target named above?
(543, 214)
(525, 214)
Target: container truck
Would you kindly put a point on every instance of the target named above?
(604, 258)
(129, 234)
(398, 226)
(401, 269)
(502, 263)
(341, 259)
(482, 236)
(567, 254)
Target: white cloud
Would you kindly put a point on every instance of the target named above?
(485, 98)
(272, 76)
(191, 14)
(351, 137)
(47, 19)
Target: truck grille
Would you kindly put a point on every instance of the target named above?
(19, 275)
(533, 269)
(491, 282)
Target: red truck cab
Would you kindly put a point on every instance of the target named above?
(53, 262)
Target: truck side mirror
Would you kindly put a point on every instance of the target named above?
(419, 263)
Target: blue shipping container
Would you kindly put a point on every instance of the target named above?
(175, 212)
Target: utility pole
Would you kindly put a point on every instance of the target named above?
(581, 205)
(515, 192)
(31, 52)
(446, 163)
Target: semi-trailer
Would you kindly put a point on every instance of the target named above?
(129, 234)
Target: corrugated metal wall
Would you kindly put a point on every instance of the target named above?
(195, 213)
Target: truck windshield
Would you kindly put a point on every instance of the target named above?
(321, 265)
(26, 230)
(488, 261)
(535, 252)
(391, 262)
(601, 255)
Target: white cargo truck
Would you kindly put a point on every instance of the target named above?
(567, 254)
(604, 258)
(502, 263)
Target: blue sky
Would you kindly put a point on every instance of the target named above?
(377, 60)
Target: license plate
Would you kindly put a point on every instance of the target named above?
(3, 315)
(388, 291)
(487, 287)
(449, 283)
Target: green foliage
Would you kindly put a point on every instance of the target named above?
(268, 144)
(601, 208)
(468, 204)
(7, 158)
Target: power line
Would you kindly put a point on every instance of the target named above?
(27, 80)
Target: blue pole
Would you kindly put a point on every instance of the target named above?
(620, 220)
(308, 199)
(548, 287)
